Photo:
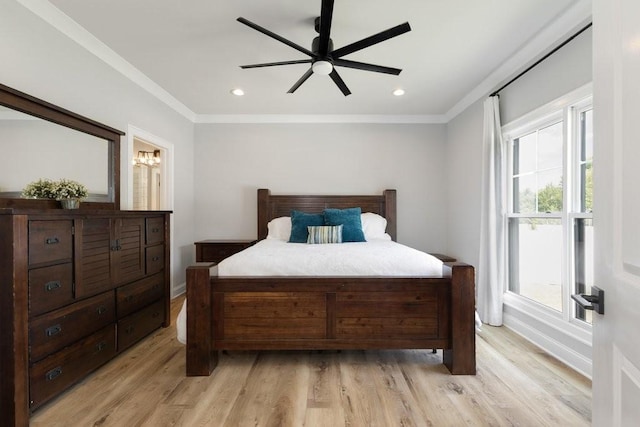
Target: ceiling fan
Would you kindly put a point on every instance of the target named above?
(323, 57)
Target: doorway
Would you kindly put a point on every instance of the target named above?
(148, 187)
(147, 176)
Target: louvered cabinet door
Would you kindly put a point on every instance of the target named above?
(92, 257)
(127, 252)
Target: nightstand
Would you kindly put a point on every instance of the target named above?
(216, 250)
(444, 258)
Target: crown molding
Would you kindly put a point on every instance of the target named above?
(319, 118)
(63, 23)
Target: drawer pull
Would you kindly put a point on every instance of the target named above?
(155, 230)
(53, 330)
(129, 329)
(52, 286)
(53, 374)
(155, 258)
(155, 314)
(51, 240)
(101, 310)
(128, 298)
(101, 346)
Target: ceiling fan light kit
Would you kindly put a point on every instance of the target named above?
(324, 68)
(322, 57)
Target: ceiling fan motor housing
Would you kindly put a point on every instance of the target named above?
(315, 45)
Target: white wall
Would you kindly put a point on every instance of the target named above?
(232, 161)
(39, 60)
(464, 172)
(567, 69)
(34, 149)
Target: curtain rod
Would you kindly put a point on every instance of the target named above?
(557, 48)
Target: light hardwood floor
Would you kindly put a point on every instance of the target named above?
(516, 384)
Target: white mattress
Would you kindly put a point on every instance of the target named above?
(271, 257)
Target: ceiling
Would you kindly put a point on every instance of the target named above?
(193, 49)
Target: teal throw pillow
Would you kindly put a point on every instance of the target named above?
(299, 223)
(350, 220)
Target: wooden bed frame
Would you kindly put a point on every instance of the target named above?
(330, 313)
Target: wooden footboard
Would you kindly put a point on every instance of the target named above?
(320, 313)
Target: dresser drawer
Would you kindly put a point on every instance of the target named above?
(138, 325)
(139, 294)
(50, 241)
(66, 367)
(154, 230)
(155, 259)
(52, 331)
(50, 288)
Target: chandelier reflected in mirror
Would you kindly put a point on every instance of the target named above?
(147, 158)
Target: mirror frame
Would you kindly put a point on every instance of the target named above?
(28, 104)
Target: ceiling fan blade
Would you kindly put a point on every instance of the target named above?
(339, 82)
(303, 79)
(371, 40)
(326, 15)
(366, 67)
(275, 36)
(272, 64)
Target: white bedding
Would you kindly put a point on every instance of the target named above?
(272, 257)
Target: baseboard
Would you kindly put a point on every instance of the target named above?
(176, 291)
(559, 346)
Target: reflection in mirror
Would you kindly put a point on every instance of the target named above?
(33, 148)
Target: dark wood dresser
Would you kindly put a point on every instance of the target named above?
(76, 289)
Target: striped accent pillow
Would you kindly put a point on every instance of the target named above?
(324, 234)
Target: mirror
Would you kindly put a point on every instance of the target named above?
(40, 140)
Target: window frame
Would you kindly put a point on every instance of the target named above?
(566, 109)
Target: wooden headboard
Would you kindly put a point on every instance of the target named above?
(270, 206)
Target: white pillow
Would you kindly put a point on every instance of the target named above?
(279, 228)
(374, 226)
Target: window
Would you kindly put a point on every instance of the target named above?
(550, 228)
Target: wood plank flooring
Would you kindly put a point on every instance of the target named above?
(516, 385)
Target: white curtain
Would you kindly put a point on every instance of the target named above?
(491, 271)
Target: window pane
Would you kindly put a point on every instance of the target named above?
(525, 154)
(586, 161)
(535, 255)
(587, 133)
(550, 191)
(550, 147)
(524, 194)
(583, 250)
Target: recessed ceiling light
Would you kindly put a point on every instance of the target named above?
(398, 92)
(237, 92)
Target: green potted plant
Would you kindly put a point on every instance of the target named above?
(67, 191)
(40, 189)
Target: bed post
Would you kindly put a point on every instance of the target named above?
(390, 213)
(202, 358)
(461, 357)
